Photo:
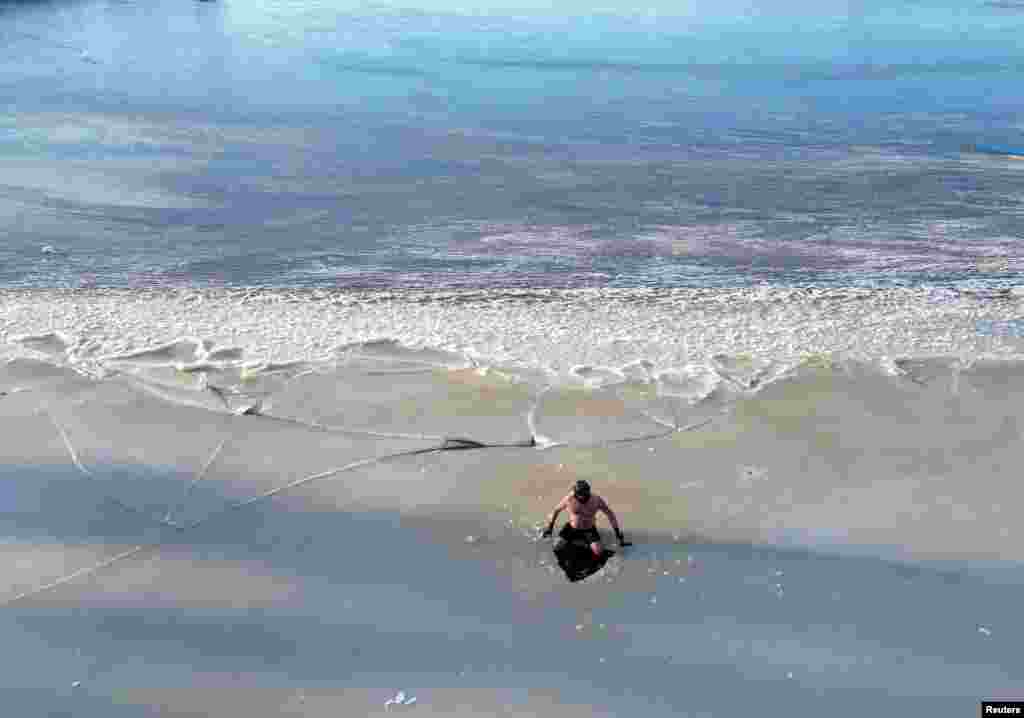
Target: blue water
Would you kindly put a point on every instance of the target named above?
(346, 144)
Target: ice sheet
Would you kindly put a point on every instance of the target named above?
(179, 524)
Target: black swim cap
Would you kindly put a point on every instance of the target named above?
(581, 489)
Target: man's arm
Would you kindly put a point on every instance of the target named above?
(554, 516)
(607, 510)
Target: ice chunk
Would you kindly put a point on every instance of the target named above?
(249, 409)
(400, 699)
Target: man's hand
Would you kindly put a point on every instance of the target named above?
(546, 533)
(622, 539)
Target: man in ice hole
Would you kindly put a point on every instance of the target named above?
(583, 507)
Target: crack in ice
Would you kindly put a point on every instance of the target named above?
(449, 445)
(197, 479)
(85, 471)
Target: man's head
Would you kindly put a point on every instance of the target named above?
(581, 490)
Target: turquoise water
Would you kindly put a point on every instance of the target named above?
(706, 144)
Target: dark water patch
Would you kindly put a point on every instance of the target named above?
(748, 72)
(1004, 5)
(367, 66)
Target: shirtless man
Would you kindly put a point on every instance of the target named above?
(583, 507)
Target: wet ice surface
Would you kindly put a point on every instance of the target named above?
(838, 527)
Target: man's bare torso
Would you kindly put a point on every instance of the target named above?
(582, 515)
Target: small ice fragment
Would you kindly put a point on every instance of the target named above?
(579, 626)
(471, 539)
(601, 660)
(76, 684)
(984, 631)
(602, 626)
(666, 573)
(789, 675)
(654, 599)
(249, 409)
(48, 249)
(410, 701)
(778, 572)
